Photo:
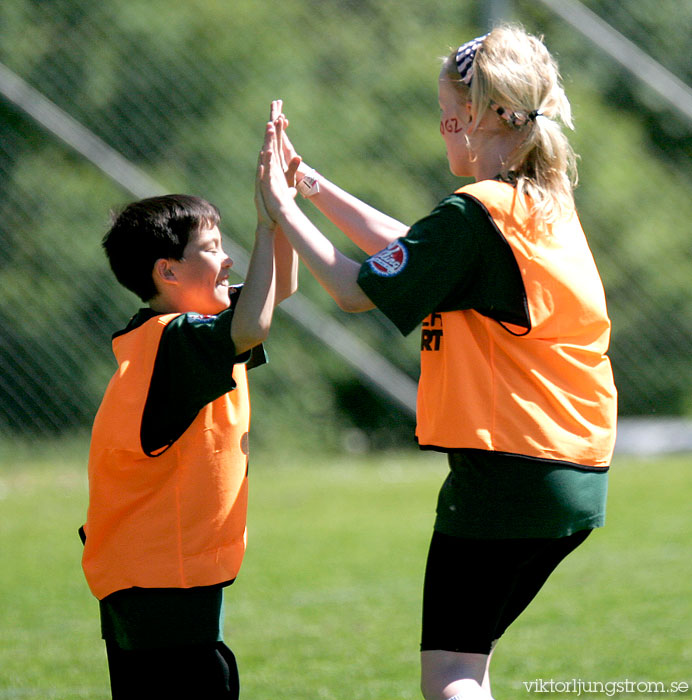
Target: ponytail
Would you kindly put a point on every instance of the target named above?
(514, 75)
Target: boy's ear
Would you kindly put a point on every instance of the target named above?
(163, 270)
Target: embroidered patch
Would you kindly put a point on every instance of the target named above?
(390, 261)
(200, 318)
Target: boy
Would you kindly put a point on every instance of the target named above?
(165, 529)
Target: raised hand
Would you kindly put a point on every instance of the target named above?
(290, 160)
(276, 176)
(273, 143)
(273, 187)
(288, 152)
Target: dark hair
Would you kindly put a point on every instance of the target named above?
(153, 228)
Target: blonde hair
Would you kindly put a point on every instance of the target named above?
(513, 70)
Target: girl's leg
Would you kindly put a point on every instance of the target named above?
(534, 573)
(446, 674)
(474, 589)
(486, 678)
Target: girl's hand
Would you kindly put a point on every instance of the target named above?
(273, 172)
(274, 144)
(273, 188)
(289, 159)
(289, 155)
(287, 152)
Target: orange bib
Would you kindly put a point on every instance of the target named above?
(546, 392)
(175, 520)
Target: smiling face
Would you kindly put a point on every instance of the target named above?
(199, 281)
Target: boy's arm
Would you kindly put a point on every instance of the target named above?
(253, 313)
(286, 266)
(285, 256)
(273, 261)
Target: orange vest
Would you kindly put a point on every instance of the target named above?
(546, 392)
(175, 520)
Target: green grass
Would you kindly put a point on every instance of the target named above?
(328, 602)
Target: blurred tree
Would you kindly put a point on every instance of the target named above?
(183, 92)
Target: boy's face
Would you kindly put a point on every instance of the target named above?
(202, 274)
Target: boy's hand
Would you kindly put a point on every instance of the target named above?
(273, 177)
(264, 218)
(272, 189)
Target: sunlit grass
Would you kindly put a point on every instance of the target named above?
(328, 602)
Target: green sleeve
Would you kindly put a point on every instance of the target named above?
(438, 256)
(455, 258)
(193, 367)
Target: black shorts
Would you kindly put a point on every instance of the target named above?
(178, 673)
(474, 588)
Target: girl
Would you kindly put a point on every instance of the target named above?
(515, 384)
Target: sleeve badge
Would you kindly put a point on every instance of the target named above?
(390, 261)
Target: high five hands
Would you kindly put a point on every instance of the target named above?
(276, 168)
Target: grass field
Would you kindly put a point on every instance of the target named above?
(327, 604)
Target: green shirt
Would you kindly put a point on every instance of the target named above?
(488, 495)
(455, 259)
(155, 618)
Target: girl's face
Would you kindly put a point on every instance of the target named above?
(455, 119)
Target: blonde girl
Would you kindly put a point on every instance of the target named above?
(515, 385)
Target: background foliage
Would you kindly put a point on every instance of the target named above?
(182, 91)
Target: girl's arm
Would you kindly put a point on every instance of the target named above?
(370, 229)
(335, 272)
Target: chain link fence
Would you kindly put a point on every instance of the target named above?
(105, 102)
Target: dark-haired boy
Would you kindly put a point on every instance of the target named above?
(165, 529)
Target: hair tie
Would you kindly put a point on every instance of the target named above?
(464, 58)
(516, 119)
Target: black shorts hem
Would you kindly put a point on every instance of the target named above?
(475, 589)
